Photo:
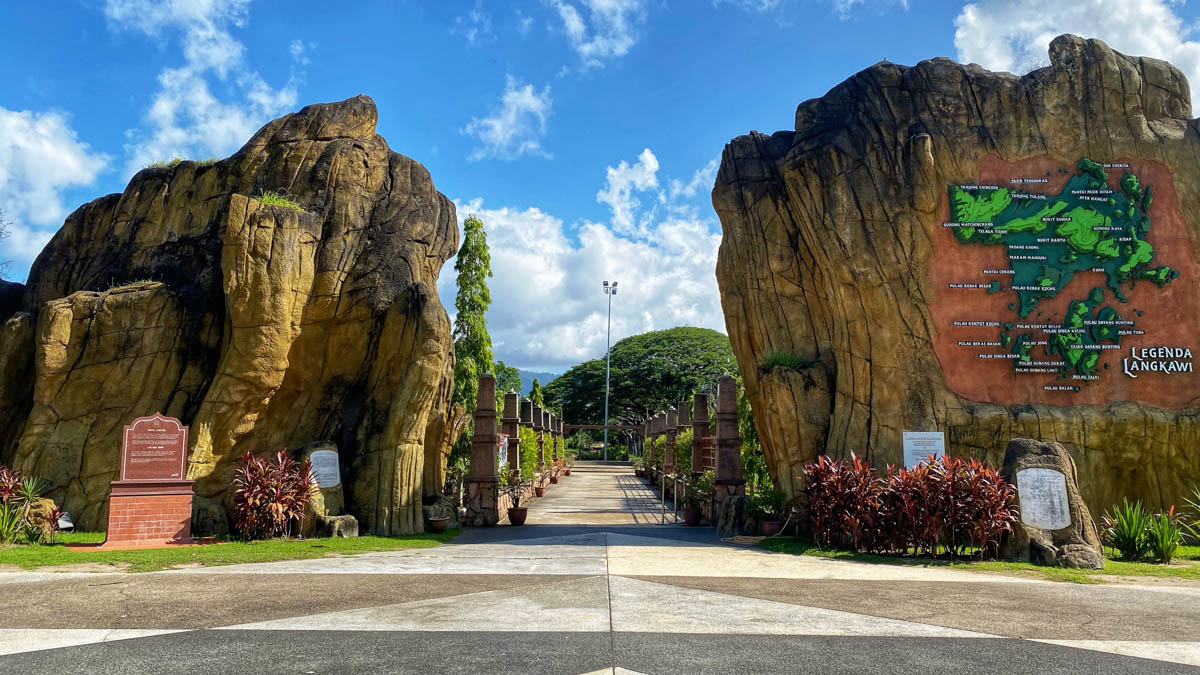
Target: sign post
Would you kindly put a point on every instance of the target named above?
(151, 504)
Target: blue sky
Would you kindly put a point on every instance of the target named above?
(585, 133)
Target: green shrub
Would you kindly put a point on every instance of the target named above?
(528, 456)
(768, 505)
(279, 199)
(683, 451)
(785, 359)
(21, 517)
(1125, 529)
(1164, 534)
(165, 164)
(1194, 506)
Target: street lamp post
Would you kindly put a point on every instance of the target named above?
(609, 291)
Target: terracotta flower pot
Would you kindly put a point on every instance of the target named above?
(769, 527)
(691, 517)
(439, 525)
(640, 473)
(517, 515)
(566, 472)
(554, 480)
(539, 492)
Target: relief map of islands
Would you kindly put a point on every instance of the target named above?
(1069, 248)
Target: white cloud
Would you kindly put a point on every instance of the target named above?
(548, 310)
(186, 119)
(843, 8)
(40, 157)
(1014, 35)
(475, 25)
(610, 30)
(516, 126)
(618, 191)
(702, 179)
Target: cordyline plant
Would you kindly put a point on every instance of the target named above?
(270, 494)
(21, 517)
(943, 505)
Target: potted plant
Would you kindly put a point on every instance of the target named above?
(513, 485)
(438, 524)
(639, 468)
(554, 474)
(768, 508)
(567, 463)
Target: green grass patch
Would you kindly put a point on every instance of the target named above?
(1187, 567)
(785, 359)
(34, 556)
(164, 164)
(279, 199)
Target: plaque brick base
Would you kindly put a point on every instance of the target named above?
(143, 513)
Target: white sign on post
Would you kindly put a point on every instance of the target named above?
(325, 468)
(919, 445)
(1043, 497)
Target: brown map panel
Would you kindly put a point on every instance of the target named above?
(154, 449)
(1171, 314)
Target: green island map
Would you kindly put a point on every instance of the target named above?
(1048, 238)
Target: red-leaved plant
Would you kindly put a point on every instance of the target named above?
(10, 480)
(269, 494)
(943, 505)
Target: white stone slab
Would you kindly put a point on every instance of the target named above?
(1043, 496)
(19, 640)
(325, 468)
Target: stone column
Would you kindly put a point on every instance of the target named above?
(701, 442)
(541, 436)
(510, 426)
(553, 439)
(670, 429)
(482, 497)
(559, 448)
(728, 445)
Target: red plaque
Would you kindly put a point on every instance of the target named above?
(154, 449)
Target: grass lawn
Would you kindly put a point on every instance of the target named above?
(224, 553)
(1185, 566)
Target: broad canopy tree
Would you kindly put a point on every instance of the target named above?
(649, 371)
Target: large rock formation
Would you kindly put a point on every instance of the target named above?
(259, 325)
(835, 253)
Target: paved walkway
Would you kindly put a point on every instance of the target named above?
(570, 595)
(599, 494)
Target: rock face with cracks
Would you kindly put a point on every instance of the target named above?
(834, 253)
(260, 326)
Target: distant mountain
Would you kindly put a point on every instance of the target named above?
(527, 377)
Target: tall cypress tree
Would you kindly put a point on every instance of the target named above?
(472, 344)
(535, 394)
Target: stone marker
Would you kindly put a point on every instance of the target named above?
(152, 502)
(1043, 497)
(1056, 527)
(323, 515)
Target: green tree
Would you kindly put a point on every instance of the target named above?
(472, 344)
(649, 371)
(535, 394)
(507, 379)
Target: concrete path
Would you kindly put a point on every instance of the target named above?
(566, 594)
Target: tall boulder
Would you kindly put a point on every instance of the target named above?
(260, 325)
(842, 251)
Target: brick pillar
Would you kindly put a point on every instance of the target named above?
(701, 441)
(553, 439)
(510, 424)
(729, 480)
(538, 429)
(558, 448)
(671, 430)
(482, 498)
